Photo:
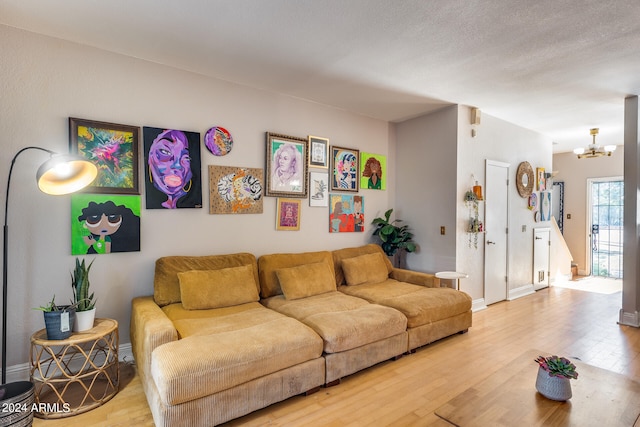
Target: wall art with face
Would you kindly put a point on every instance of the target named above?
(104, 223)
(172, 169)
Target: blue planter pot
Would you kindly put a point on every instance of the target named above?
(53, 323)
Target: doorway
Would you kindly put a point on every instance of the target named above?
(496, 228)
(605, 226)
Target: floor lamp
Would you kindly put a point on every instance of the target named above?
(61, 174)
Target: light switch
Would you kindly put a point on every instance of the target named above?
(442, 230)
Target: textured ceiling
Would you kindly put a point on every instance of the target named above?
(557, 67)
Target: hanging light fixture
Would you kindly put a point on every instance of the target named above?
(594, 150)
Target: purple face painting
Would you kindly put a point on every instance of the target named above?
(170, 166)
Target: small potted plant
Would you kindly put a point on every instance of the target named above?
(393, 238)
(82, 299)
(554, 374)
(58, 320)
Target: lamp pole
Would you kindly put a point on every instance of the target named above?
(5, 262)
(61, 174)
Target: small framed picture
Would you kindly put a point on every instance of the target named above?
(286, 166)
(288, 214)
(318, 189)
(344, 169)
(318, 152)
(113, 148)
(541, 181)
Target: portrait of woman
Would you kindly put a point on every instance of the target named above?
(286, 166)
(173, 169)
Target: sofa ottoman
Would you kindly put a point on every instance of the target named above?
(217, 353)
(432, 312)
(356, 334)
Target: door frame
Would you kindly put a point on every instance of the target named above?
(507, 166)
(589, 218)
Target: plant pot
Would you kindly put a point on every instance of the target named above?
(56, 328)
(554, 388)
(17, 400)
(84, 320)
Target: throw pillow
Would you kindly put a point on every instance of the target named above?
(204, 289)
(306, 280)
(365, 269)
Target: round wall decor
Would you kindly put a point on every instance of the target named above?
(524, 179)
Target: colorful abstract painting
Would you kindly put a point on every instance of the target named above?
(235, 190)
(104, 223)
(172, 169)
(373, 168)
(346, 213)
(113, 148)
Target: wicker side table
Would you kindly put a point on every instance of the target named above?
(77, 374)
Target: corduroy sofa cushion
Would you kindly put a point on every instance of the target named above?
(341, 254)
(306, 280)
(269, 264)
(421, 305)
(222, 352)
(343, 322)
(363, 269)
(204, 289)
(166, 287)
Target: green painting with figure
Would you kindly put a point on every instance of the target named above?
(373, 168)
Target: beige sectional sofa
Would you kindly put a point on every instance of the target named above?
(225, 335)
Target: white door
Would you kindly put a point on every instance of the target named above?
(541, 249)
(496, 228)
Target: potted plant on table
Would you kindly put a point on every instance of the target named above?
(83, 300)
(58, 320)
(554, 374)
(395, 240)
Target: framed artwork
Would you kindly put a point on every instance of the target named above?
(344, 169)
(218, 141)
(113, 148)
(373, 169)
(532, 203)
(318, 152)
(235, 190)
(288, 214)
(104, 223)
(545, 206)
(286, 166)
(172, 169)
(346, 213)
(541, 182)
(318, 189)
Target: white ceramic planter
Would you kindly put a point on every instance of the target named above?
(84, 320)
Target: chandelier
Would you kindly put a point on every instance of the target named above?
(594, 150)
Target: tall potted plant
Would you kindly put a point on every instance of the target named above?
(395, 240)
(83, 300)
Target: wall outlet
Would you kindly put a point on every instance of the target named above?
(524, 228)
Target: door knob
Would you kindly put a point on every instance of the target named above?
(489, 242)
(538, 238)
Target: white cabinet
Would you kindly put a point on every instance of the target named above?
(541, 251)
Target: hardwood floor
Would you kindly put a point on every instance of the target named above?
(406, 392)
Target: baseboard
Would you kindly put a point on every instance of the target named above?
(520, 292)
(629, 319)
(22, 372)
(477, 305)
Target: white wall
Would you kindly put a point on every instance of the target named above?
(437, 157)
(504, 142)
(426, 183)
(575, 173)
(43, 81)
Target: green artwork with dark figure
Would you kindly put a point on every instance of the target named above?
(373, 169)
(104, 223)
